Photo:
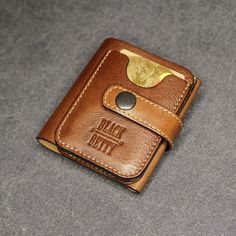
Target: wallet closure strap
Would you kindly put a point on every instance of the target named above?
(147, 113)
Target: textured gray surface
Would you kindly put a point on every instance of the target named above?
(43, 47)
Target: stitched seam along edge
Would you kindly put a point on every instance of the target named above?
(90, 157)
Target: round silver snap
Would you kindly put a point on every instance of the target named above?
(125, 100)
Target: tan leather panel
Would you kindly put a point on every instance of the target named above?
(147, 113)
(79, 130)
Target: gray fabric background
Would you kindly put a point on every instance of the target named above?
(44, 45)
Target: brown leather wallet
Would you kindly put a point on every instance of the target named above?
(122, 113)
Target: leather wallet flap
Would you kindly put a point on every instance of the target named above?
(121, 146)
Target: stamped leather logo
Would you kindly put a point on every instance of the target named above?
(106, 136)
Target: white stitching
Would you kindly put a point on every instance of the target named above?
(181, 96)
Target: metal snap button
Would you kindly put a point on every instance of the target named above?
(125, 100)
